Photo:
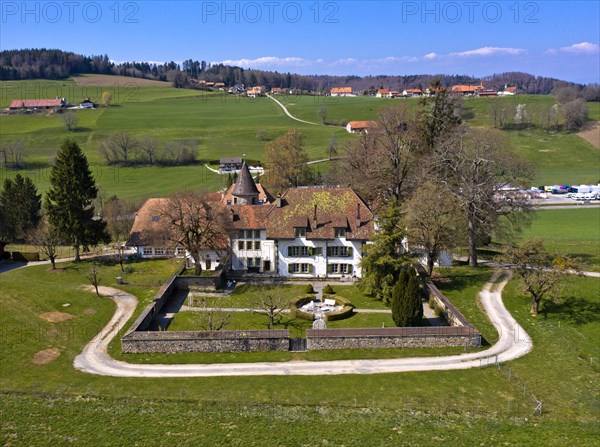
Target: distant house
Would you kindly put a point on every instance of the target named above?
(508, 91)
(412, 92)
(360, 126)
(230, 164)
(467, 89)
(87, 104)
(383, 93)
(485, 93)
(254, 92)
(277, 91)
(341, 91)
(34, 104)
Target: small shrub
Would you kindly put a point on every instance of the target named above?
(328, 290)
(309, 289)
(129, 269)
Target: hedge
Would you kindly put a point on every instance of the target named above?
(345, 312)
(297, 313)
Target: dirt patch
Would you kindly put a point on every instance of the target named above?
(46, 356)
(111, 81)
(56, 317)
(591, 134)
(89, 311)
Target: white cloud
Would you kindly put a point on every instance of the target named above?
(576, 48)
(490, 51)
(430, 56)
(270, 61)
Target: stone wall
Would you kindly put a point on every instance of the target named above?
(452, 314)
(208, 282)
(206, 341)
(425, 337)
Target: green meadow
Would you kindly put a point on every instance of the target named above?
(53, 404)
(224, 125)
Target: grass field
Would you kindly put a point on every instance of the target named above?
(225, 125)
(574, 231)
(55, 403)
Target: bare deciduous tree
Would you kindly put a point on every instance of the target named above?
(12, 154)
(193, 221)
(474, 167)
(432, 221)
(69, 119)
(285, 160)
(149, 146)
(93, 276)
(118, 148)
(47, 239)
(541, 273)
(381, 163)
(211, 318)
(273, 306)
(322, 113)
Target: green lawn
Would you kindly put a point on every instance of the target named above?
(225, 125)
(575, 232)
(55, 403)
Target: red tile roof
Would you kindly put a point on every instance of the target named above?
(334, 208)
(31, 103)
(466, 88)
(341, 90)
(362, 124)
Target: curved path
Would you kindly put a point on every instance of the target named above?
(289, 114)
(513, 343)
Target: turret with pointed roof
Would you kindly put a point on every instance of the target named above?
(244, 189)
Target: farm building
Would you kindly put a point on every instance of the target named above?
(360, 126)
(36, 104)
(230, 164)
(341, 91)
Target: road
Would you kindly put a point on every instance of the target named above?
(289, 114)
(513, 343)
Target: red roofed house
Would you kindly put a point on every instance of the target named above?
(466, 89)
(360, 126)
(32, 104)
(412, 92)
(508, 91)
(341, 91)
(383, 93)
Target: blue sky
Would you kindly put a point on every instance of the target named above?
(547, 38)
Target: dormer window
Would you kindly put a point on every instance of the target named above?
(155, 218)
(340, 232)
(300, 231)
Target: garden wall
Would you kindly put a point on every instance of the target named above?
(400, 337)
(206, 341)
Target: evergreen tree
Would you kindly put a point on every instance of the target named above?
(412, 298)
(69, 200)
(398, 299)
(384, 259)
(20, 206)
(407, 308)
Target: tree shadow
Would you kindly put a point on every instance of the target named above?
(573, 309)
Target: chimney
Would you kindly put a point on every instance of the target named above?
(278, 200)
(315, 218)
(358, 222)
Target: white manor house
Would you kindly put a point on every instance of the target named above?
(307, 232)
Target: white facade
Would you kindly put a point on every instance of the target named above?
(251, 250)
(305, 258)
